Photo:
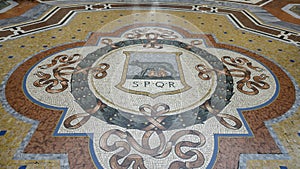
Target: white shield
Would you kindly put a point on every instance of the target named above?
(152, 74)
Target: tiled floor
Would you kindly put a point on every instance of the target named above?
(205, 84)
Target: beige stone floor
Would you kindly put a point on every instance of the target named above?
(287, 130)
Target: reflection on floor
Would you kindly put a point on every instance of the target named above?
(212, 84)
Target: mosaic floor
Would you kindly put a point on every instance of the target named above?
(196, 84)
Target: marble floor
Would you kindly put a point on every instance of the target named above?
(150, 84)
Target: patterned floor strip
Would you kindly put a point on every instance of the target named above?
(40, 145)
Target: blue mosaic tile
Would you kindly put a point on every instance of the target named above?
(22, 167)
(283, 167)
(2, 132)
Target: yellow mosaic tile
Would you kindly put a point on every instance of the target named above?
(268, 49)
(11, 141)
(88, 22)
(93, 23)
(287, 131)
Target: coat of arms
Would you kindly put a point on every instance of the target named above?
(153, 74)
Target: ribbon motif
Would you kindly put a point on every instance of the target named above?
(203, 72)
(137, 33)
(65, 69)
(84, 116)
(152, 36)
(161, 151)
(161, 33)
(242, 72)
(194, 43)
(221, 117)
(99, 72)
(108, 42)
(246, 75)
(58, 72)
(154, 118)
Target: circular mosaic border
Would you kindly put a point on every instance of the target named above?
(86, 99)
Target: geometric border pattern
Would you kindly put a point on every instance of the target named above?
(60, 16)
(242, 158)
(227, 142)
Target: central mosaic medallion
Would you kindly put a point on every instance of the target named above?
(150, 78)
(151, 93)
